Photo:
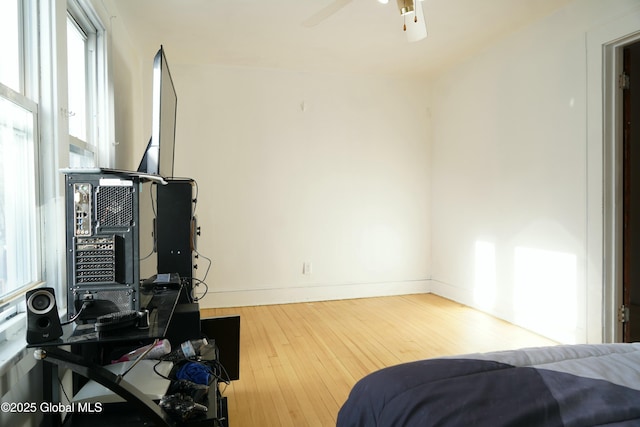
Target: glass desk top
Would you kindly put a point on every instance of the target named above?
(160, 303)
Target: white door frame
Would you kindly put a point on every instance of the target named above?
(604, 171)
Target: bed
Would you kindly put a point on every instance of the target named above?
(564, 385)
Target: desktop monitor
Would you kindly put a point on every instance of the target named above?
(158, 156)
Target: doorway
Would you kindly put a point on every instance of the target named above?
(604, 269)
(630, 127)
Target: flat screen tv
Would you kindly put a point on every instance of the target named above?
(158, 157)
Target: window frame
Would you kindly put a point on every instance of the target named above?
(8, 300)
(87, 147)
(98, 102)
(41, 57)
(12, 304)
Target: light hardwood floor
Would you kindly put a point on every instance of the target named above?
(299, 361)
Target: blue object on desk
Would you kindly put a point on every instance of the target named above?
(194, 372)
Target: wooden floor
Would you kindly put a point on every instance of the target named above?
(299, 361)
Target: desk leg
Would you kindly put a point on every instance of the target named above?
(51, 393)
(115, 383)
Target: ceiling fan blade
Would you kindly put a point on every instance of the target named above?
(416, 30)
(325, 13)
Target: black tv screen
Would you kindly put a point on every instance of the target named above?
(158, 157)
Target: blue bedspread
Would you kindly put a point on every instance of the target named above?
(579, 385)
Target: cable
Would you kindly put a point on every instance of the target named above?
(73, 319)
(158, 373)
(195, 199)
(206, 273)
(219, 373)
(62, 388)
(153, 205)
(194, 284)
(193, 241)
(194, 234)
(147, 256)
(218, 368)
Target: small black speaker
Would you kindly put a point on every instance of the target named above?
(43, 322)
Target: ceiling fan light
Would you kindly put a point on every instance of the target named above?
(406, 7)
(383, 1)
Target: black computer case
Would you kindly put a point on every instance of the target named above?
(102, 240)
(176, 229)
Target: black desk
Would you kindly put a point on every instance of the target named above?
(160, 304)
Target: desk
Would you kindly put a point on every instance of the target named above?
(160, 304)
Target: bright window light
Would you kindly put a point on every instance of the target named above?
(10, 68)
(18, 224)
(77, 70)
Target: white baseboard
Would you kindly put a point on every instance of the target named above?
(454, 293)
(465, 296)
(240, 298)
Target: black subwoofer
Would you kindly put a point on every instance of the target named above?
(43, 322)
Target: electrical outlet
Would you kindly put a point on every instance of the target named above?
(307, 268)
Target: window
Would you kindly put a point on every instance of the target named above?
(77, 78)
(84, 67)
(20, 243)
(33, 137)
(10, 34)
(19, 232)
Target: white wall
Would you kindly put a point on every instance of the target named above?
(481, 182)
(510, 186)
(291, 167)
(298, 167)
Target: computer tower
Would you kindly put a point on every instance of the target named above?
(176, 229)
(102, 240)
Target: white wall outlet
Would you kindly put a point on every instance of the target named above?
(307, 268)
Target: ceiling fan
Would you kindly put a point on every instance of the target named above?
(411, 10)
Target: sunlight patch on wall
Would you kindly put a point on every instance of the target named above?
(484, 290)
(545, 293)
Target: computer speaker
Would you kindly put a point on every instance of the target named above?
(43, 322)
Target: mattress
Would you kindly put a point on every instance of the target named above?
(564, 385)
